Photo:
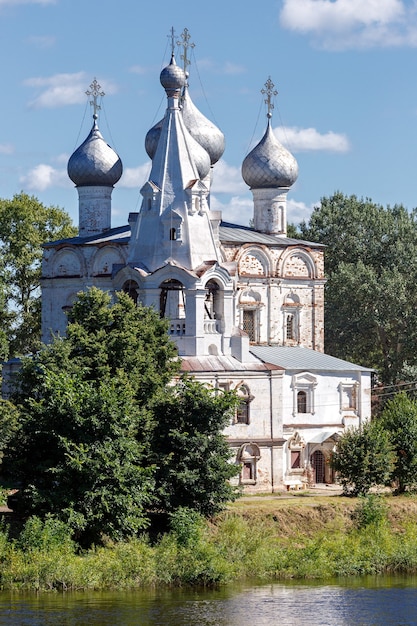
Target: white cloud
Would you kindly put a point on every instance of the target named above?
(138, 69)
(43, 177)
(63, 89)
(228, 179)
(6, 148)
(309, 139)
(298, 211)
(233, 68)
(58, 90)
(237, 210)
(46, 41)
(228, 67)
(134, 176)
(341, 24)
(62, 158)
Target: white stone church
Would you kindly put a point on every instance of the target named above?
(245, 305)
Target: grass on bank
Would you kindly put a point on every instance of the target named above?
(297, 538)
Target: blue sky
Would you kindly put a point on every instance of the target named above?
(344, 71)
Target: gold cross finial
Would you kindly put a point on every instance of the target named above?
(96, 93)
(185, 43)
(270, 92)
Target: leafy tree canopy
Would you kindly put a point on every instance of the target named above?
(104, 437)
(371, 270)
(25, 225)
(188, 428)
(364, 458)
(399, 417)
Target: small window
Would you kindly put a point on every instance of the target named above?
(290, 327)
(172, 234)
(247, 471)
(248, 456)
(242, 411)
(301, 402)
(349, 399)
(249, 324)
(149, 204)
(295, 459)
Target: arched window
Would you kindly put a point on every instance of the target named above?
(243, 408)
(172, 305)
(249, 455)
(295, 458)
(131, 288)
(249, 323)
(301, 402)
(172, 234)
(290, 326)
(149, 204)
(250, 311)
(303, 386)
(210, 301)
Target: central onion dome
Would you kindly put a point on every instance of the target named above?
(204, 132)
(95, 163)
(269, 164)
(172, 78)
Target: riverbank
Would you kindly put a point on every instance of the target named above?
(278, 537)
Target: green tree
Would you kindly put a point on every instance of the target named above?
(399, 417)
(363, 458)
(9, 420)
(189, 450)
(371, 270)
(25, 225)
(84, 429)
(89, 407)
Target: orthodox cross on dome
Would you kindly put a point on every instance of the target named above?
(185, 43)
(172, 37)
(96, 93)
(270, 92)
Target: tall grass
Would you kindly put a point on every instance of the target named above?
(196, 552)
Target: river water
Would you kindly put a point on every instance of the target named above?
(377, 601)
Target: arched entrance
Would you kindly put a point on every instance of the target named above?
(318, 465)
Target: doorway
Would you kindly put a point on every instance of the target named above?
(318, 465)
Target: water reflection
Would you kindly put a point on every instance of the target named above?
(363, 602)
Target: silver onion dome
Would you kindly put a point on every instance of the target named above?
(152, 138)
(204, 132)
(172, 78)
(200, 157)
(269, 164)
(94, 163)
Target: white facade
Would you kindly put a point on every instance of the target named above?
(246, 306)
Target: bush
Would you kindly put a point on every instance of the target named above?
(364, 458)
(371, 510)
(399, 417)
(45, 535)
